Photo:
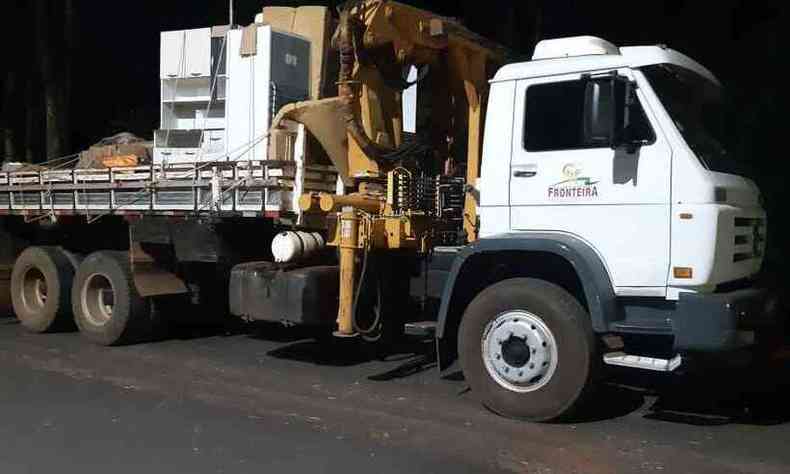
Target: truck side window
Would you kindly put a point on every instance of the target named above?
(554, 118)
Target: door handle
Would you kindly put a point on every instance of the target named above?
(528, 171)
(524, 174)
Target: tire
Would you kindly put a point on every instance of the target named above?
(504, 358)
(74, 258)
(41, 283)
(107, 308)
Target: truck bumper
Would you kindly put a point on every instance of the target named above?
(703, 322)
(718, 322)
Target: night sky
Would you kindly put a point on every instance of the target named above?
(119, 46)
(116, 84)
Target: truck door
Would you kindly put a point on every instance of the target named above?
(618, 201)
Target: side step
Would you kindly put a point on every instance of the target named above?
(421, 329)
(639, 362)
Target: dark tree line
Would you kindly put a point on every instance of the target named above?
(60, 53)
(40, 38)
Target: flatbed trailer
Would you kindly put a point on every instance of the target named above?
(222, 188)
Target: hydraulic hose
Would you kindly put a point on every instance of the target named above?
(373, 326)
(349, 46)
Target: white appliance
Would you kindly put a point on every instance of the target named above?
(216, 104)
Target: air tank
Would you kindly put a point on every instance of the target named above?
(293, 246)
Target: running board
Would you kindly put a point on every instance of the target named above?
(640, 362)
(421, 329)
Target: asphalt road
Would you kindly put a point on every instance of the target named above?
(268, 400)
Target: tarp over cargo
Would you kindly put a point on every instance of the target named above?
(123, 149)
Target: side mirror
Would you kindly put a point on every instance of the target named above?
(607, 101)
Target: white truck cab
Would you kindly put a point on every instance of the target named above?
(662, 214)
(612, 228)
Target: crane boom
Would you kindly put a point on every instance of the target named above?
(404, 193)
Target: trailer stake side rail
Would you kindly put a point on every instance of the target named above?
(247, 188)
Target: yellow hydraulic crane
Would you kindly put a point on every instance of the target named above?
(398, 191)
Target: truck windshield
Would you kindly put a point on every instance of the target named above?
(696, 105)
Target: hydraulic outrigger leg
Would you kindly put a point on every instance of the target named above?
(349, 239)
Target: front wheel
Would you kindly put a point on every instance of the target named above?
(527, 350)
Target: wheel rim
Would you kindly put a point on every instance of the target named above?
(519, 351)
(97, 299)
(34, 290)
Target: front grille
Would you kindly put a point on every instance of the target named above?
(749, 239)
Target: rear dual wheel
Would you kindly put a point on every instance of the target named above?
(52, 289)
(41, 283)
(107, 307)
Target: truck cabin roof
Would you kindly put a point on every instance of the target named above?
(589, 54)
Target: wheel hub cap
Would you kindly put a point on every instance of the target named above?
(519, 351)
(98, 299)
(516, 352)
(34, 290)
